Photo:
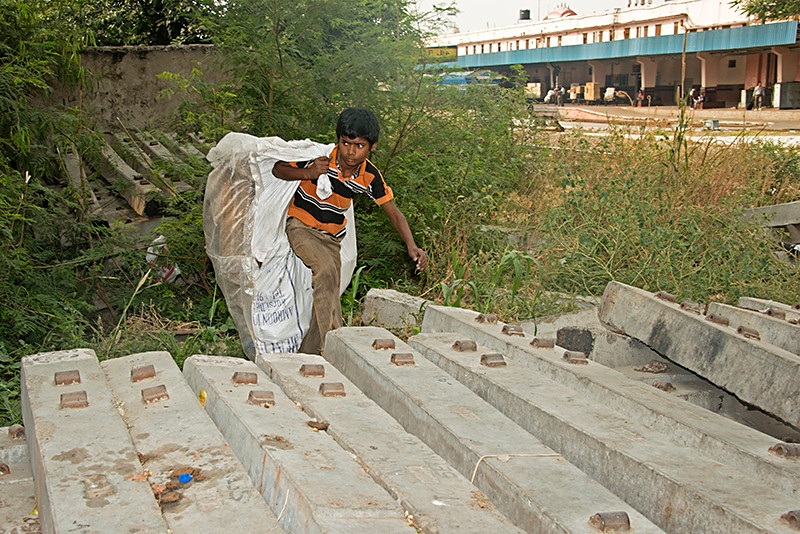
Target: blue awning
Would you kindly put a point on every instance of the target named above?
(758, 36)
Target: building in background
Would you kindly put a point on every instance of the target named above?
(665, 48)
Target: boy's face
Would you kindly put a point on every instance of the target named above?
(353, 151)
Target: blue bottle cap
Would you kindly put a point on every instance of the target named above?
(184, 478)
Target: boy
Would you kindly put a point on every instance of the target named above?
(315, 226)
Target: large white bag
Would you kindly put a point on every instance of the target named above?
(266, 287)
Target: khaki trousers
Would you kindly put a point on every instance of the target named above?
(320, 253)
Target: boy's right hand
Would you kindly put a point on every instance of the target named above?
(318, 167)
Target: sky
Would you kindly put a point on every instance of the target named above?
(483, 14)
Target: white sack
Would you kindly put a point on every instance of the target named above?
(267, 288)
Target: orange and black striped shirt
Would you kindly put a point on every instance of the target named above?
(327, 215)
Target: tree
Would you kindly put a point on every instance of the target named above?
(297, 63)
(770, 9)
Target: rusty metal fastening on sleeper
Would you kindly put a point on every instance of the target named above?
(261, 398)
(155, 394)
(610, 521)
(465, 345)
(786, 450)
(244, 377)
(749, 333)
(312, 369)
(543, 343)
(575, 357)
(777, 314)
(65, 378)
(669, 297)
(489, 318)
(718, 319)
(513, 330)
(16, 431)
(402, 358)
(142, 373)
(793, 518)
(493, 359)
(379, 344)
(74, 399)
(692, 307)
(332, 389)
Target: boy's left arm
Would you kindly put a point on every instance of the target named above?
(401, 225)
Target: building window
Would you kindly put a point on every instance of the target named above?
(611, 34)
(585, 38)
(559, 40)
(658, 29)
(645, 31)
(517, 44)
(498, 47)
(474, 49)
(481, 49)
(626, 33)
(731, 63)
(527, 44)
(676, 28)
(638, 31)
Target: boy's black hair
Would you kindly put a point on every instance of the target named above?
(358, 122)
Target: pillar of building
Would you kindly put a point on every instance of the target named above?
(649, 69)
(786, 72)
(599, 71)
(709, 75)
(552, 69)
(787, 64)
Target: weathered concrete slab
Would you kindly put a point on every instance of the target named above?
(126, 147)
(142, 196)
(304, 475)
(87, 474)
(585, 317)
(174, 436)
(76, 173)
(638, 464)
(437, 497)
(17, 493)
(776, 215)
(637, 361)
(725, 441)
(391, 309)
(605, 347)
(531, 484)
(764, 305)
(754, 371)
(158, 152)
(186, 151)
(772, 329)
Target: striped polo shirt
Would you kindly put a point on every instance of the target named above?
(328, 215)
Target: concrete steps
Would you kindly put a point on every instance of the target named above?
(468, 427)
(532, 484)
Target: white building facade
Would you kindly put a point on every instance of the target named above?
(664, 48)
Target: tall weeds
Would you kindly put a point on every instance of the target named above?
(627, 213)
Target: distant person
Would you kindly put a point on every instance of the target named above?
(691, 97)
(640, 98)
(698, 102)
(315, 223)
(758, 96)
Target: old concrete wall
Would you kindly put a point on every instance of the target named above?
(124, 87)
